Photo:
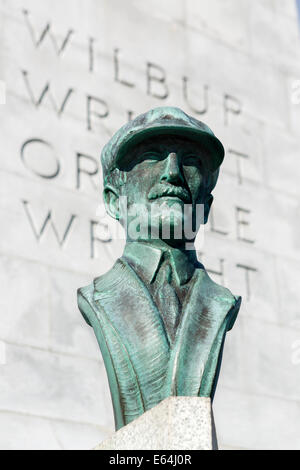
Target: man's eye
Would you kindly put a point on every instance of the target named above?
(192, 160)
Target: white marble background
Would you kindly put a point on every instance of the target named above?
(242, 63)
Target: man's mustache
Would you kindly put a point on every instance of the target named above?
(161, 190)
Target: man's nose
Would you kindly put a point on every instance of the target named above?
(172, 171)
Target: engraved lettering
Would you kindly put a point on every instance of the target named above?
(231, 106)
(241, 223)
(129, 115)
(48, 222)
(158, 78)
(220, 272)
(41, 154)
(214, 271)
(213, 225)
(80, 158)
(117, 70)
(94, 227)
(91, 54)
(46, 92)
(239, 157)
(204, 108)
(59, 48)
(90, 112)
(247, 269)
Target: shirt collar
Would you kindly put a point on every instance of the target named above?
(145, 258)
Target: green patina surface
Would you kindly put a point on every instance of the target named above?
(159, 334)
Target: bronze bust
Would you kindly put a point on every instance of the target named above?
(159, 319)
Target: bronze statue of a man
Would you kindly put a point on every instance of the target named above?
(159, 319)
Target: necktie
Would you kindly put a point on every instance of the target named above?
(166, 298)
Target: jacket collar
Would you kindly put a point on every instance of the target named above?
(146, 259)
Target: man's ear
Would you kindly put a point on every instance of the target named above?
(111, 200)
(207, 205)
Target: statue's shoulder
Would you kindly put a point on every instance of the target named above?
(104, 285)
(87, 295)
(215, 289)
(115, 278)
(220, 296)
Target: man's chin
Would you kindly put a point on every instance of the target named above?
(168, 211)
(166, 202)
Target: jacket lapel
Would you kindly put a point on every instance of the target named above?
(137, 324)
(209, 311)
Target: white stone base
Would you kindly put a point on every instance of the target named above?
(177, 423)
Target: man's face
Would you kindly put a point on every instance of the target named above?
(164, 177)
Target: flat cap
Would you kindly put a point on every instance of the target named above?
(162, 121)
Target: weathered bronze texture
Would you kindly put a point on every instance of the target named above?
(159, 319)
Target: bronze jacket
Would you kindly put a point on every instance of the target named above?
(143, 367)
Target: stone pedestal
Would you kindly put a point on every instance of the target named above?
(177, 423)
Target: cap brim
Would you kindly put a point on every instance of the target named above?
(212, 156)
